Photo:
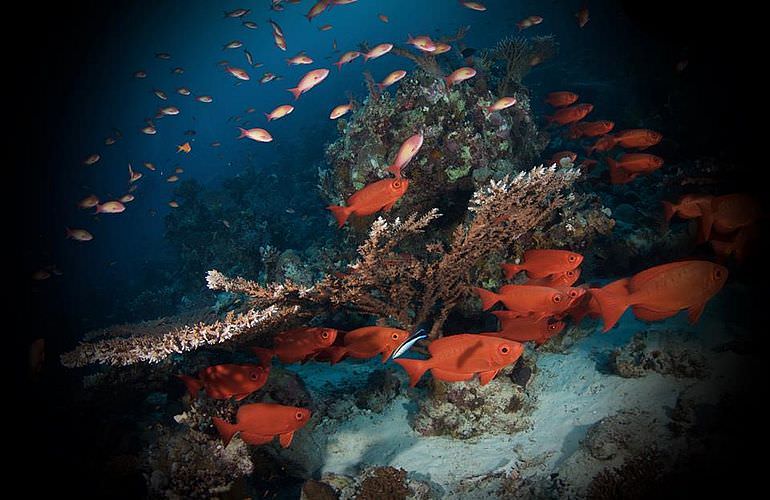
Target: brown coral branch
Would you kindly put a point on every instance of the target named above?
(427, 62)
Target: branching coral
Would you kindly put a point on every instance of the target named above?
(519, 55)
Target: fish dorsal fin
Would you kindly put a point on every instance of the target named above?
(285, 439)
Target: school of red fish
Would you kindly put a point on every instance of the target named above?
(542, 296)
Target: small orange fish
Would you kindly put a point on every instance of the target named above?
(602, 144)
(441, 48)
(383, 18)
(110, 207)
(582, 16)
(172, 178)
(169, 111)
(563, 158)
(184, 148)
(88, 202)
(325, 27)
(317, 8)
(561, 98)
(391, 79)
(630, 165)
(238, 73)
(299, 344)
(92, 159)
(259, 423)
(501, 104)
(340, 110)
(378, 51)
(310, 80)
(478, 6)
(556, 280)
(227, 381)
(280, 41)
(140, 74)
(570, 114)
(149, 166)
(133, 176)
(183, 91)
(255, 134)
(279, 112)
(126, 198)
(300, 58)
(267, 77)
(662, 291)
(379, 195)
(542, 263)
(422, 42)
(528, 22)
(408, 150)
(459, 75)
(589, 307)
(204, 99)
(79, 235)
(590, 129)
(346, 58)
(367, 342)
(173, 204)
(460, 357)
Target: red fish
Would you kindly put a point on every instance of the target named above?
(541, 263)
(460, 357)
(570, 114)
(526, 300)
(566, 278)
(259, 423)
(602, 144)
(689, 206)
(563, 158)
(299, 344)
(589, 307)
(537, 330)
(728, 213)
(662, 291)
(630, 165)
(561, 98)
(367, 342)
(639, 138)
(379, 195)
(738, 245)
(590, 129)
(227, 381)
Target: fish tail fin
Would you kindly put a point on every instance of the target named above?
(340, 213)
(193, 385)
(296, 92)
(668, 210)
(415, 368)
(612, 306)
(226, 429)
(511, 270)
(706, 221)
(269, 118)
(69, 232)
(265, 356)
(339, 65)
(366, 57)
(395, 170)
(448, 82)
(243, 132)
(488, 299)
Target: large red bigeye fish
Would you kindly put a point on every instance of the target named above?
(367, 342)
(259, 423)
(299, 344)
(542, 263)
(379, 195)
(227, 381)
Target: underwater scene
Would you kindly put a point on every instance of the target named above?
(390, 249)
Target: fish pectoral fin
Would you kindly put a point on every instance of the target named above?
(694, 312)
(239, 397)
(485, 377)
(387, 207)
(285, 439)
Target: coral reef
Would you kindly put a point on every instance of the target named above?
(372, 483)
(637, 478)
(514, 57)
(665, 352)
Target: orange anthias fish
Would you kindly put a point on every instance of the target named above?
(300, 58)
(526, 300)
(406, 152)
(88, 202)
(566, 278)
(582, 16)
(561, 98)
(367, 342)
(299, 344)
(238, 73)
(310, 80)
(537, 330)
(111, 207)
(184, 148)
(629, 166)
(728, 213)
(133, 176)
(460, 357)
(259, 423)
(280, 41)
(279, 112)
(689, 206)
(459, 75)
(528, 22)
(570, 114)
(79, 234)
(422, 42)
(340, 110)
(378, 51)
(478, 6)
(383, 18)
(590, 129)
(639, 138)
(501, 104)
(379, 195)
(92, 159)
(317, 8)
(441, 48)
(227, 381)
(255, 134)
(662, 291)
(391, 79)
(541, 263)
(346, 58)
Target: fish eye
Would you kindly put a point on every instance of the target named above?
(325, 334)
(557, 298)
(718, 274)
(504, 349)
(573, 293)
(552, 326)
(394, 336)
(570, 273)
(396, 184)
(253, 375)
(571, 258)
(299, 415)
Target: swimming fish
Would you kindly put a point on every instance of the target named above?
(478, 6)
(173, 204)
(566, 278)
(563, 158)
(640, 138)
(630, 165)
(92, 159)
(172, 178)
(204, 98)
(160, 94)
(383, 18)
(250, 24)
(184, 148)
(340, 110)
(662, 291)
(528, 22)
(276, 28)
(738, 245)
(88, 202)
(525, 329)
(689, 206)
(299, 344)
(582, 16)
(140, 74)
(300, 58)
(317, 9)
(237, 13)
(501, 104)
(391, 79)
(459, 75)
(602, 144)
(570, 114)
(149, 129)
(132, 175)
(325, 27)
(728, 213)
(346, 58)
(279, 112)
(110, 207)
(267, 77)
(259, 423)
(310, 80)
(561, 98)
(541, 263)
(237, 73)
(460, 357)
(409, 148)
(163, 55)
(183, 91)
(588, 306)
(126, 198)
(379, 195)
(169, 111)
(422, 42)
(367, 342)
(255, 134)
(526, 300)
(149, 166)
(378, 51)
(235, 44)
(178, 70)
(79, 234)
(280, 41)
(590, 129)
(227, 381)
